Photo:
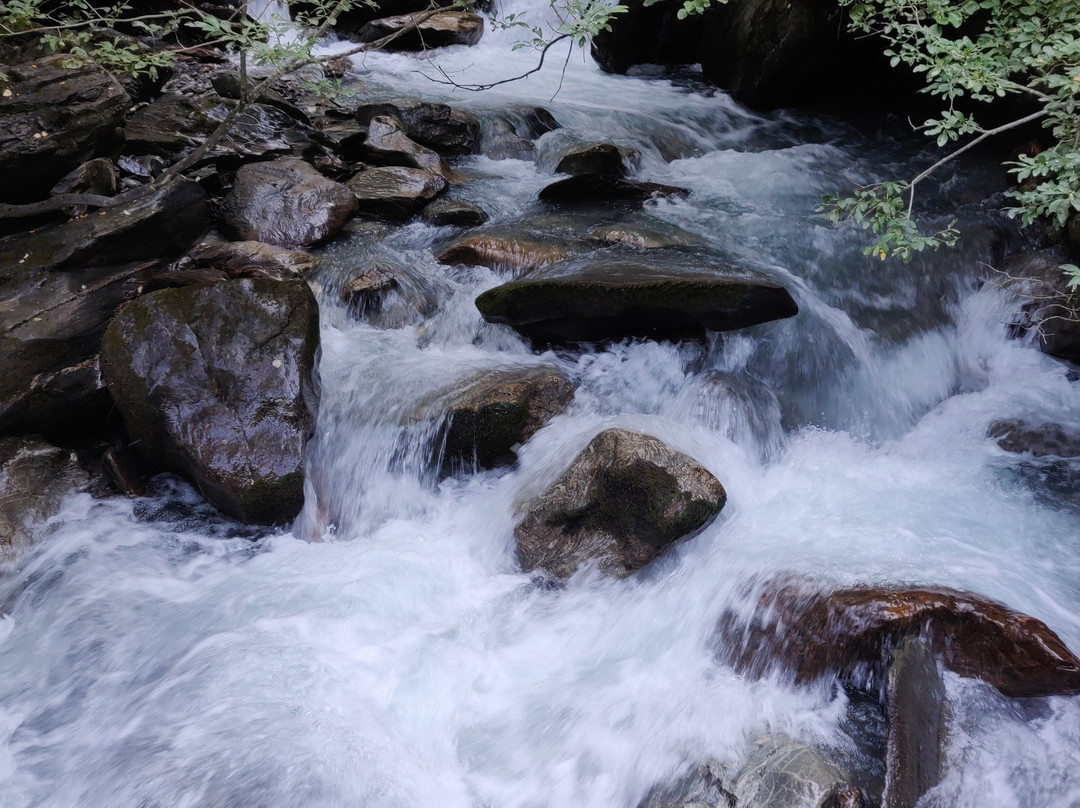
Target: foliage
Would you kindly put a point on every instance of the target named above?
(979, 51)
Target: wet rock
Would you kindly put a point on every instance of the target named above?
(497, 410)
(98, 176)
(505, 252)
(850, 632)
(915, 715)
(126, 471)
(454, 213)
(706, 787)
(645, 236)
(437, 31)
(226, 83)
(387, 144)
(34, 478)
(622, 502)
(437, 126)
(363, 292)
(604, 159)
(614, 299)
(54, 119)
(174, 124)
(286, 203)
(240, 259)
(144, 166)
(65, 401)
(1049, 308)
(786, 774)
(500, 140)
(590, 189)
(395, 192)
(1038, 440)
(218, 384)
(174, 278)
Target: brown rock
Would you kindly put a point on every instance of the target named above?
(241, 259)
(439, 30)
(502, 252)
(915, 725)
(850, 631)
(387, 144)
(1040, 440)
(395, 192)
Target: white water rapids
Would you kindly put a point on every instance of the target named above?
(154, 655)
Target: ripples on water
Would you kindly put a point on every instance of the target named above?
(153, 654)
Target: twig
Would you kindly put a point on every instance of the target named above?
(476, 88)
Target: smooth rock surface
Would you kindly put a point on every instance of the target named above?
(851, 631)
(915, 725)
(218, 383)
(437, 31)
(387, 144)
(395, 192)
(782, 773)
(240, 259)
(497, 250)
(454, 213)
(286, 203)
(1038, 440)
(621, 502)
(614, 299)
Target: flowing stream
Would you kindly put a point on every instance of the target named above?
(153, 654)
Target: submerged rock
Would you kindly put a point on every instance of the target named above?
(782, 773)
(706, 787)
(506, 252)
(497, 410)
(34, 477)
(615, 299)
(218, 383)
(851, 631)
(286, 203)
(52, 119)
(915, 720)
(363, 291)
(1038, 440)
(622, 502)
(437, 31)
(591, 189)
(395, 192)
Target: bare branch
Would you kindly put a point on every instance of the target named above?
(476, 88)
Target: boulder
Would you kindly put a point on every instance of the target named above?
(509, 134)
(1048, 310)
(98, 176)
(364, 291)
(175, 124)
(387, 144)
(505, 252)
(227, 84)
(496, 410)
(618, 298)
(395, 192)
(34, 478)
(915, 725)
(594, 158)
(454, 213)
(592, 189)
(849, 632)
(1038, 440)
(653, 235)
(286, 203)
(782, 773)
(241, 259)
(705, 787)
(437, 126)
(54, 119)
(622, 502)
(218, 383)
(437, 31)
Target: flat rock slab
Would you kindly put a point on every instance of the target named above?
(286, 203)
(615, 299)
(218, 383)
(437, 31)
(622, 501)
(850, 632)
(53, 119)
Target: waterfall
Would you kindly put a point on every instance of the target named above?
(268, 10)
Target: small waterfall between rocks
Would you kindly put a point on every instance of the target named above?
(153, 653)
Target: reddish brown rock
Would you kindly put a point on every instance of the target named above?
(852, 632)
(498, 252)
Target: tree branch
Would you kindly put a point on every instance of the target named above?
(476, 88)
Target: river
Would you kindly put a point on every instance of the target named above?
(153, 654)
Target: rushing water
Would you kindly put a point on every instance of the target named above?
(152, 654)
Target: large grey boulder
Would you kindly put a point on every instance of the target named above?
(286, 203)
(782, 773)
(587, 300)
(34, 477)
(218, 383)
(622, 502)
(52, 118)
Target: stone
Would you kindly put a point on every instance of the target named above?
(55, 119)
(503, 252)
(453, 213)
(395, 192)
(437, 31)
(592, 189)
(623, 500)
(581, 301)
(849, 632)
(218, 383)
(226, 83)
(35, 476)
(239, 259)
(596, 158)
(705, 787)
(437, 126)
(363, 292)
(286, 203)
(497, 410)
(98, 176)
(915, 725)
(1038, 440)
(644, 236)
(1047, 311)
(387, 144)
(782, 773)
